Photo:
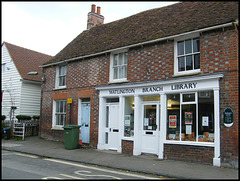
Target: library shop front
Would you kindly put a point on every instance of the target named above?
(154, 117)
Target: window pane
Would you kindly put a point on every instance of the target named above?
(115, 73)
(180, 47)
(206, 116)
(115, 60)
(57, 106)
(149, 122)
(197, 61)
(120, 61)
(120, 69)
(129, 117)
(188, 122)
(188, 46)
(64, 106)
(189, 97)
(189, 65)
(196, 45)
(61, 107)
(181, 64)
(107, 114)
(125, 58)
(173, 116)
(125, 71)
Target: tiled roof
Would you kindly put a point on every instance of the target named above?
(27, 61)
(149, 25)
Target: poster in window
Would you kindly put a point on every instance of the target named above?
(205, 120)
(172, 121)
(127, 120)
(146, 122)
(188, 117)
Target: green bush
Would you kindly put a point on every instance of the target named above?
(23, 117)
(3, 117)
(36, 117)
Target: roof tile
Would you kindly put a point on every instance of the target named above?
(27, 61)
(149, 25)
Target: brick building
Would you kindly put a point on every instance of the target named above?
(163, 81)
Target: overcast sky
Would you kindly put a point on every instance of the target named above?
(47, 27)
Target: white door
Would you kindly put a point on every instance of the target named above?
(150, 127)
(112, 126)
(85, 122)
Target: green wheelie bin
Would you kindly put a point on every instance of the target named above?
(71, 136)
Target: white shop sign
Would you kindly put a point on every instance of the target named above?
(157, 89)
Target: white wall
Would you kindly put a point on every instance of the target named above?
(30, 99)
(10, 82)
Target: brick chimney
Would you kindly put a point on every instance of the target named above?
(94, 18)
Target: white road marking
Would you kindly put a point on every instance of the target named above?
(46, 178)
(70, 176)
(77, 172)
(99, 169)
(26, 155)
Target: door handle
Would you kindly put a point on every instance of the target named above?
(110, 129)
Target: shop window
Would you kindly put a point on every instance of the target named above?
(173, 117)
(129, 117)
(191, 117)
(188, 132)
(111, 100)
(206, 116)
(151, 98)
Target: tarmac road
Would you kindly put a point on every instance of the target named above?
(25, 166)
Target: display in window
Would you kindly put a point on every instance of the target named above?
(127, 120)
(188, 129)
(205, 120)
(129, 117)
(172, 121)
(188, 117)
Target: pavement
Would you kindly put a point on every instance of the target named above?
(146, 163)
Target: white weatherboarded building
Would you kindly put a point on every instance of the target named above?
(18, 88)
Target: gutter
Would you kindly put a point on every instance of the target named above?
(141, 44)
(31, 81)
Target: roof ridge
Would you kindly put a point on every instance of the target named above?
(4, 42)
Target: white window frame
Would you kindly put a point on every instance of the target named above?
(111, 76)
(57, 86)
(187, 72)
(54, 120)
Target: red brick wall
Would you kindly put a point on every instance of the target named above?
(127, 147)
(152, 62)
(219, 53)
(196, 154)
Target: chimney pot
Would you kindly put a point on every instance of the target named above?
(93, 8)
(98, 10)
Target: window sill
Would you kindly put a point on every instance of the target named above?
(60, 88)
(127, 138)
(187, 73)
(118, 81)
(190, 143)
(57, 128)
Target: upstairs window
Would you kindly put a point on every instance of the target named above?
(61, 76)
(118, 70)
(187, 56)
